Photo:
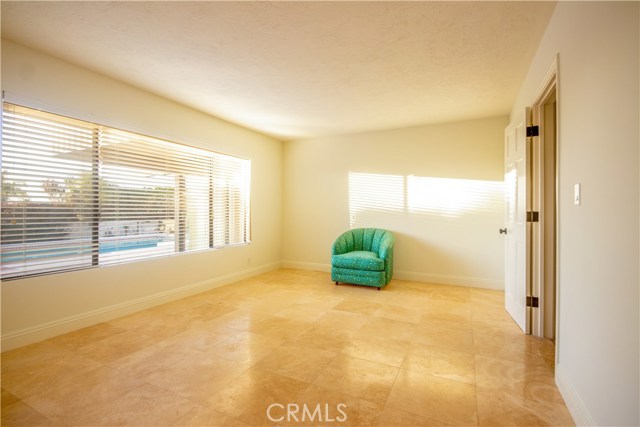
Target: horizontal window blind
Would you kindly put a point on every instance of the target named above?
(231, 179)
(78, 195)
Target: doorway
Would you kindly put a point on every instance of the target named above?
(544, 181)
(531, 214)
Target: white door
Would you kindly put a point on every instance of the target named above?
(516, 259)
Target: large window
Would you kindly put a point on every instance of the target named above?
(78, 195)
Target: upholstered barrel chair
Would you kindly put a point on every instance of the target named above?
(363, 256)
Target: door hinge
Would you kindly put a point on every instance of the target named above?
(533, 131)
(533, 216)
(533, 302)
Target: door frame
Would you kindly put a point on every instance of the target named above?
(548, 89)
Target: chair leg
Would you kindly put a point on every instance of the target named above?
(378, 288)
(336, 283)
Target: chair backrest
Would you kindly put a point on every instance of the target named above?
(363, 239)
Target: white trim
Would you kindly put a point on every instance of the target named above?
(550, 79)
(538, 244)
(68, 324)
(576, 406)
(444, 279)
(301, 265)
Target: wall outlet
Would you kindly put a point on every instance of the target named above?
(576, 195)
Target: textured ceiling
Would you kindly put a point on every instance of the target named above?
(300, 69)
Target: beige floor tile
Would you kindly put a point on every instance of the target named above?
(413, 300)
(490, 327)
(399, 313)
(441, 363)
(444, 310)
(461, 325)
(483, 312)
(326, 407)
(455, 339)
(115, 347)
(207, 311)
(241, 319)
(198, 378)
(307, 312)
(521, 348)
(492, 372)
(44, 378)
(155, 324)
(434, 398)
(359, 378)
(147, 405)
(358, 306)
(528, 381)
(449, 293)
(248, 397)
(85, 336)
(280, 327)
(303, 364)
(8, 398)
(77, 397)
(378, 349)
(246, 347)
(391, 330)
(206, 337)
(342, 320)
(270, 305)
(487, 296)
(186, 371)
(393, 418)
(32, 357)
(546, 348)
(323, 338)
(22, 415)
(322, 300)
(154, 361)
(205, 305)
(204, 417)
(498, 408)
(413, 354)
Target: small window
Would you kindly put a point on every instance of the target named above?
(77, 195)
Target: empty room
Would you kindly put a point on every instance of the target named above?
(307, 213)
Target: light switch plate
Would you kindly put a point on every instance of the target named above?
(576, 195)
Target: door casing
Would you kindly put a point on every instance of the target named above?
(544, 193)
(542, 241)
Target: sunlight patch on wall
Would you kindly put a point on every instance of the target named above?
(371, 195)
(452, 197)
(375, 196)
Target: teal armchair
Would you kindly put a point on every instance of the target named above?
(363, 256)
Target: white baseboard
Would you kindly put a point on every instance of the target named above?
(300, 265)
(576, 406)
(61, 326)
(445, 279)
(410, 275)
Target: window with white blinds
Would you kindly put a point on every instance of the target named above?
(78, 195)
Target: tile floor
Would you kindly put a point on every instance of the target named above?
(413, 354)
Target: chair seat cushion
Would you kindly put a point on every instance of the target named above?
(359, 260)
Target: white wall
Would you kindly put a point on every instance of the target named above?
(597, 43)
(36, 308)
(438, 188)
